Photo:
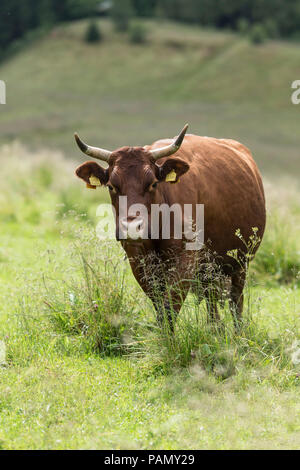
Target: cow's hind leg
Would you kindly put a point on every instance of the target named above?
(166, 316)
(236, 296)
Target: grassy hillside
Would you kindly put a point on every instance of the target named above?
(116, 93)
(83, 364)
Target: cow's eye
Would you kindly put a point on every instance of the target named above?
(154, 185)
(110, 187)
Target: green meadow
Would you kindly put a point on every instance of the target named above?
(83, 364)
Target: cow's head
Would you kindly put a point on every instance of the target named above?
(134, 172)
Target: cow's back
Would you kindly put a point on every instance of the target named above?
(224, 177)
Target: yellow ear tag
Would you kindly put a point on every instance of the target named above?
(94, 181)
(171, 176)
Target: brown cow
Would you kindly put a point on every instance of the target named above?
(218, 173)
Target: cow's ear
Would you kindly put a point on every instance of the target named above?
(92, 173)
(172, 169)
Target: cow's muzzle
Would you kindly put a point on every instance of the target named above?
(132, 228)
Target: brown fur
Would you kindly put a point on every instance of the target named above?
(219, 173)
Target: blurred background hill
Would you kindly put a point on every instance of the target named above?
(129, 72)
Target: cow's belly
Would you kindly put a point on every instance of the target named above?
(230, 222)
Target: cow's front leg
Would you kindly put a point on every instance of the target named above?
(174, 280)
(165, 315)
(168, 304)
(163, 278)
(168, 307)
(211, 299)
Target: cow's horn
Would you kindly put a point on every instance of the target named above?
(95, 152)
(170, 149)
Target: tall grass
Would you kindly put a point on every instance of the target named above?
(278, 258)
(221, 347)
(83, 304)
(96, 305)
(221, 351)
(85, 300)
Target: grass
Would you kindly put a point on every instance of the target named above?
(279, 254)
(86, 365)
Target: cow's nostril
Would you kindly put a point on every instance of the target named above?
(132, 227)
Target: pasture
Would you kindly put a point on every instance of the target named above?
(85, 364)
